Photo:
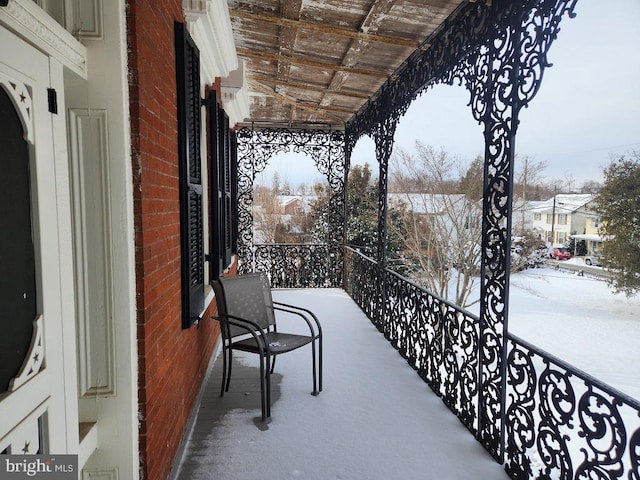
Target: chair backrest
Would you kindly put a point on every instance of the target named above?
(246, 296)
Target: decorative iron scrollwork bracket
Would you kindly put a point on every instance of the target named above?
(257, 147)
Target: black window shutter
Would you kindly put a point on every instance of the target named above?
(191, 221)
(216, 210)
(226, 194)
(222, 235)
(223, 184)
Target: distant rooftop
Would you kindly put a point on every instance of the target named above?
(565, 203)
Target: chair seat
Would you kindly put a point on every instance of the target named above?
(278, 343)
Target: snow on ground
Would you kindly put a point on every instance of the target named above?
(580, 320)
(375, 419)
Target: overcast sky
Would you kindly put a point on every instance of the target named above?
(587, 109)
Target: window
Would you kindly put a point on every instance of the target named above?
(190, 171)
(537, 217)
(562, 237)
(471, 222)
(549, 219)
(562, 219)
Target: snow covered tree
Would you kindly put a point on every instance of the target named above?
(618, 204)
(319, 225)
(438, 224)
(265, 219)
(362, 220)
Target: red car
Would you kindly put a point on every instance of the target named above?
(561, 253)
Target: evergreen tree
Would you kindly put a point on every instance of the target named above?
(275, 183)
(618, 204)
(471, 182)
(362, 203)
(320, 223)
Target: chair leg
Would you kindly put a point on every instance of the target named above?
(229, 364)
(273, 363)
(268, 384)
(320, 363)
(262, 388)
(313, 366)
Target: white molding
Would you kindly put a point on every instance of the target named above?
(209, 24)
(33, 24)
(88, 138)
(236, 104)
(25, 438)
(107, 91)
(235, 95)
(22, 101)
(88, 442)
(33, 360)
(83, 18)
(88, 20)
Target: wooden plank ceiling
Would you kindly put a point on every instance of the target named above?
(316, 62)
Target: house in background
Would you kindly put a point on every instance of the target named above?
(297, 205)
(282, 218)
(445, 228)
(455, 212)
(560, 217)
(592, 233)
(523, 214)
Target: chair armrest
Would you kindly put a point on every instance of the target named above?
(252, 328)
(301, 312)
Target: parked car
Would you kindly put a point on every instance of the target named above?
(561, 253)
(594, 259)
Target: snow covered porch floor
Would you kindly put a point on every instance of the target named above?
(375, 419)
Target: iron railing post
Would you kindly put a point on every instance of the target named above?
(383, 137)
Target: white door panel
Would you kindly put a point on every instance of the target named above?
(32, 409)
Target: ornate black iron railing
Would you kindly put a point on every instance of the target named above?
(560, 422)
(438, 339)
(299, 265)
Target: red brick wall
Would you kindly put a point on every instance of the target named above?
(172, 361)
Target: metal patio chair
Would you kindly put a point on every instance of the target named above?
(247, 316)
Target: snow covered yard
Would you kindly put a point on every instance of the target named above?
(581, 321)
